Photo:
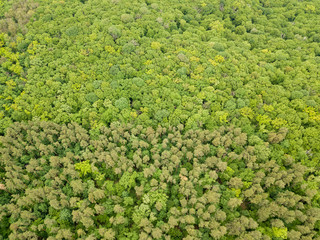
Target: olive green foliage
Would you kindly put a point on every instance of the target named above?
(14, 15)
(131, 182)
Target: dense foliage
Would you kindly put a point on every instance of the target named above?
(127, 182)
(249, 63)
(162, 119)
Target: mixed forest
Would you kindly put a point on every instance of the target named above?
(168, 120)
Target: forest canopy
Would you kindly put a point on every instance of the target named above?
(160, 119)
(127, 182)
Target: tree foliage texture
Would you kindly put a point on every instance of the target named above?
(203, 64)
(131, 182)
(171, 119)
